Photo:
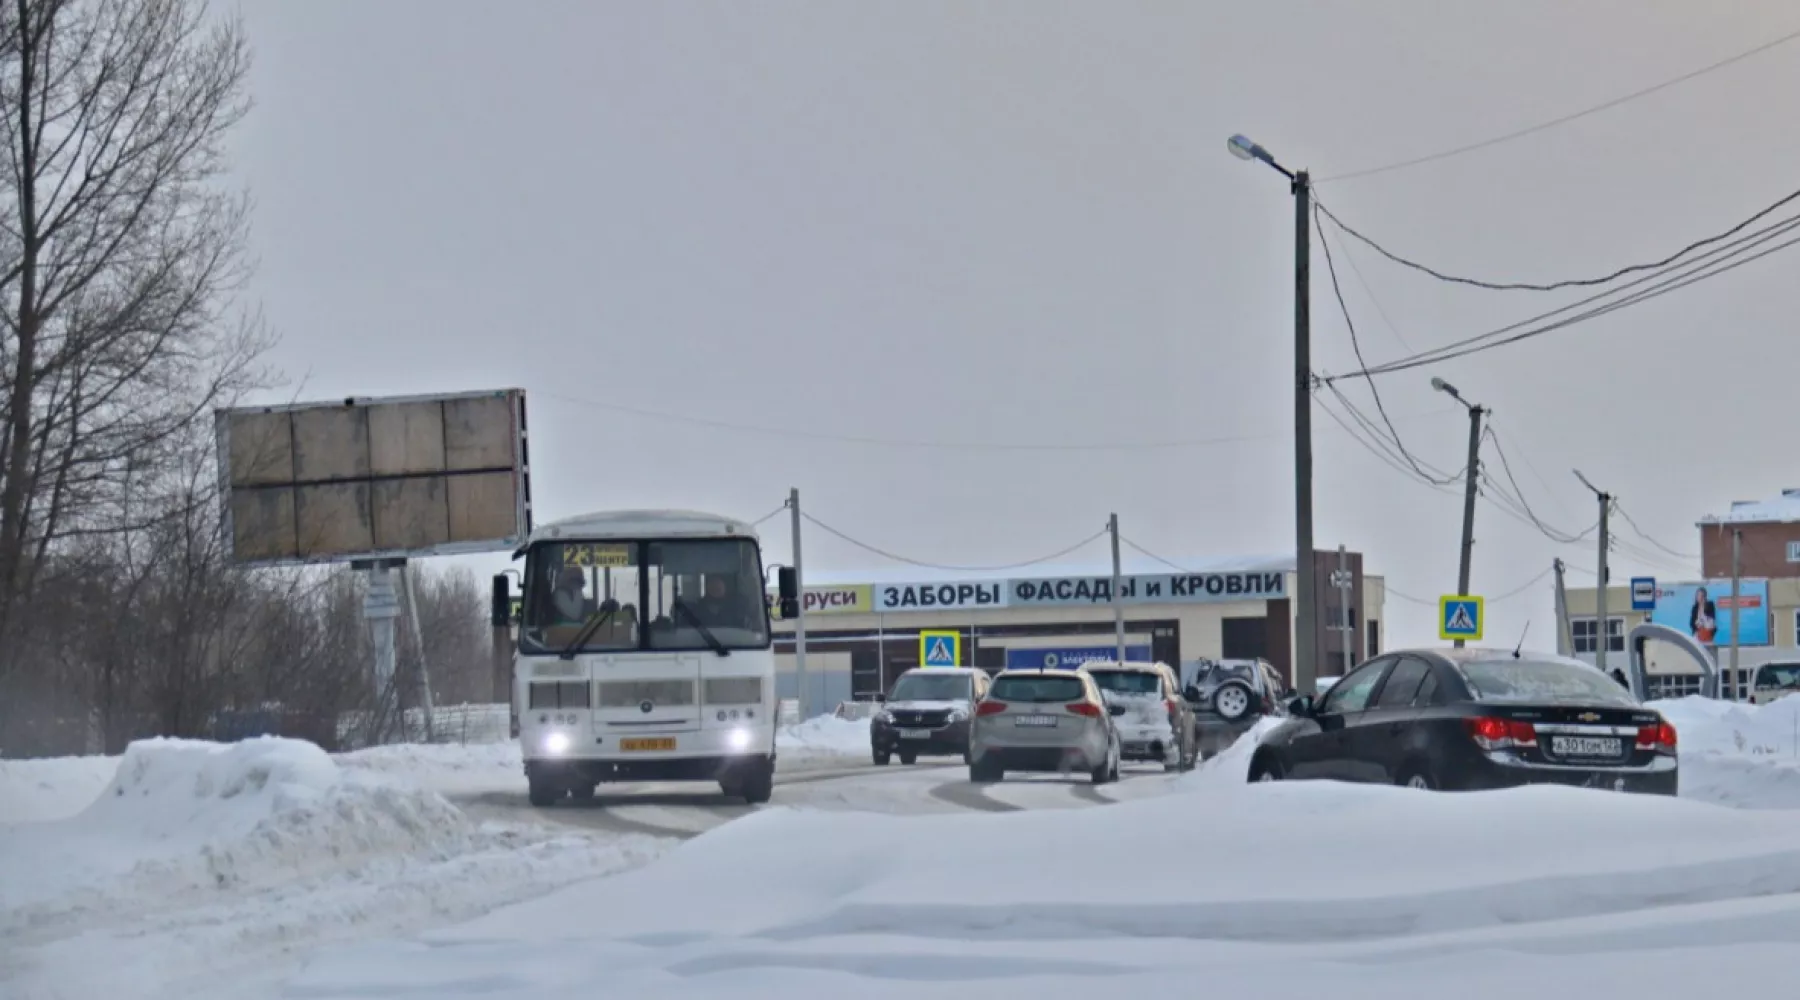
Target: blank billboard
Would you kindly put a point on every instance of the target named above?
(379, 478)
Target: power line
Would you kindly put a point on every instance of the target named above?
(1646, 536)
(1521, 286)
(1564, 119)
(1519, 494)
(1494, 492)
(759, 521)
(939, 566)
(1516, 591)
(971, 446)
(1374, 300)
(1701, 270)
(1146, 552)
(1356, 343)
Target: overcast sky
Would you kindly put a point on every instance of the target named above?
(891, 234)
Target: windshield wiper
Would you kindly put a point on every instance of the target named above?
(588, 629)
(681, 608)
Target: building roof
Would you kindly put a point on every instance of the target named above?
(1783, 509)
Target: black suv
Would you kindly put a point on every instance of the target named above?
(927, 713)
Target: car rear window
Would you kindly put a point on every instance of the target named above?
(1537, 681)
(1035, 689)
(1127, 681)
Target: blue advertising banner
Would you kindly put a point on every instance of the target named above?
(1703, 610)
(1068, 657)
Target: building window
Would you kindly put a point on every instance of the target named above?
(1583, 631)
(1797, 627)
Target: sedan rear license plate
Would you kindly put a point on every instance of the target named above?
(1586, 746)
(915, 734)
(1034, 720)
(662, 743)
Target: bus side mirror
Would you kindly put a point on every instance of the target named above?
(501, 612)
(787, 588)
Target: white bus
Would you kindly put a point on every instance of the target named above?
(644, 654)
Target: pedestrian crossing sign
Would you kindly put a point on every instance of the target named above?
(940, 649)
(1459, 617)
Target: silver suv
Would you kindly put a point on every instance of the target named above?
(1043, 720)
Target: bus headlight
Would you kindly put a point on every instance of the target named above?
(556, 744)
(738, 739)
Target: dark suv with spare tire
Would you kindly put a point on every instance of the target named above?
(927, 714)
(1228, 697)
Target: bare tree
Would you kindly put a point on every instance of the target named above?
(121, 252)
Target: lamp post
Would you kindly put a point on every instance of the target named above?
(1468, 526)
(1306, 598)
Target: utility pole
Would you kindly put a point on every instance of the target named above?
(1565, 643)
(1737, 541)
(1112, 525)
(800, 611)
(1473, 471)
(1343, 581)
(1602, 634)
(1306, 598)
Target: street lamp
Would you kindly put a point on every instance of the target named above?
(1468, 525)
(1306, 616)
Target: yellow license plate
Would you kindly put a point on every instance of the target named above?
(656, 744)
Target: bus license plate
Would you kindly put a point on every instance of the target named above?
(661, 743)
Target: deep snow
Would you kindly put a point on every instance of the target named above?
(208, 871)
(232, 852)
(1251, 890)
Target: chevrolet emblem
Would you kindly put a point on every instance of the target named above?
(1589, 717)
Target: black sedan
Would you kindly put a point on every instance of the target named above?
(1469, 719)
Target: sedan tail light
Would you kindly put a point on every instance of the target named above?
(1088, 709)
(1660, 738)
(1491, 733)
(990, 708)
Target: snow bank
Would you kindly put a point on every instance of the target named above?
(824, 736)
(1416, 894)
(202, 856)
(47, 788)
(181, 813)
(447, 768)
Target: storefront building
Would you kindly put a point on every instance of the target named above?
(862, 633)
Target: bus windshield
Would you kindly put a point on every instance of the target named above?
(687, 594)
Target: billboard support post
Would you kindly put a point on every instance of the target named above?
(380, 607)
(418, 631)
(1737, 538)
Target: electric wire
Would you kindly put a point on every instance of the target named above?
(1446, 154)
(1525, 286)
(1519, 494)
(1146, 552)
(1646, 536)
(1700, 269)
(1516, 591)
(1356, 346)
(759, 522)
(865, 546)
(1489, 488)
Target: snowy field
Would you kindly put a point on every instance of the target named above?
(270, 869)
